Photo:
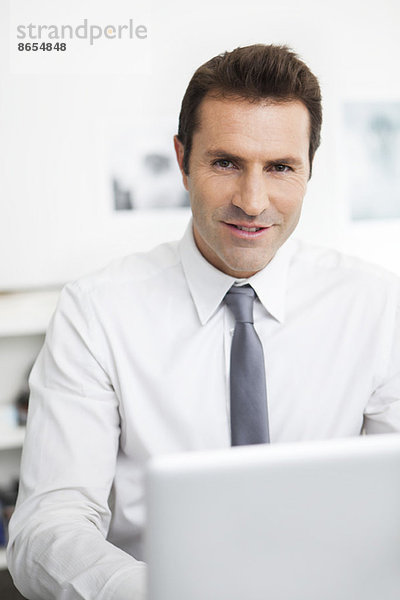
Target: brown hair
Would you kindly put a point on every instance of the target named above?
(253, 73)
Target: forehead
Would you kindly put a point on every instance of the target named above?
(252, 124)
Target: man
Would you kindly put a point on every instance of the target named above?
(137, 358)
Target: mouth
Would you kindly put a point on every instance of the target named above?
(248, 228)
(244, 231)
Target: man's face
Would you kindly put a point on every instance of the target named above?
(248, 169)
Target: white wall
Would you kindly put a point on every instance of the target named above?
(55, 215)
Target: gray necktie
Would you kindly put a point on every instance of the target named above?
(249, 413)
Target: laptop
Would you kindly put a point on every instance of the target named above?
(305, 521)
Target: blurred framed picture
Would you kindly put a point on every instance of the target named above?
(142, 165)
(372, 159)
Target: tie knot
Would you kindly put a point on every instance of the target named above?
(240, 300)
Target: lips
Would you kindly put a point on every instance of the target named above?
(247, 231)
(248, 228)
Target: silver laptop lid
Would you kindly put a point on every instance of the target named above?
(307, 521)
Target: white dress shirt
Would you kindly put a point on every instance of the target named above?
(136, 363)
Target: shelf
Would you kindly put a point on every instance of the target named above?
(3, 560)
(26, 313)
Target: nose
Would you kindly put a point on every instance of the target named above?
(252, 195)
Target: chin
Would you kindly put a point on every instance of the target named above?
(243, 271)
(251, 267)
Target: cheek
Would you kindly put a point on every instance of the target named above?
(289, 194)
(210, 191)
(290, 207)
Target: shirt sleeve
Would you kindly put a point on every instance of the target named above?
(58, 547)
(382, 414)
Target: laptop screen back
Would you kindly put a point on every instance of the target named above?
(309, 521)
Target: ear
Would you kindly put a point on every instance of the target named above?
(180, 151)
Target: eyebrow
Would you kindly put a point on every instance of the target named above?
(220, 153)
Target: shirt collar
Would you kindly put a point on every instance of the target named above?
(209, 285)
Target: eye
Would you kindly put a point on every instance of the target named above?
(223, 163)
(281, 168)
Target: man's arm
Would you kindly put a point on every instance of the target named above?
(382, 414)
(57, 545)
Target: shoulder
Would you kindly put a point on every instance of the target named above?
(132, 271)
(331, 267)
